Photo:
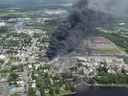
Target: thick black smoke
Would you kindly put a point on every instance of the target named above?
(81, 23)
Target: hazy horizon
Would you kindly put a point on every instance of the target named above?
(33, 3)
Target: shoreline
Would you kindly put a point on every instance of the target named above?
(108, 85)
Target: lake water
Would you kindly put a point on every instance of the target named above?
(102, 91)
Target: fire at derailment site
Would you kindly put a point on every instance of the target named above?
(63, 48)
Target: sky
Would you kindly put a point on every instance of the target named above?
(32, 3)
(117, 7)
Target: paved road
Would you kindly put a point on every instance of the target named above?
(26, 71)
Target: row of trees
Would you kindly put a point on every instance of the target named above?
(107, 78)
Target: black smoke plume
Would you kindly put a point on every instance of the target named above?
(81, 23)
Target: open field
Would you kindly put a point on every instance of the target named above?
(101, 45)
